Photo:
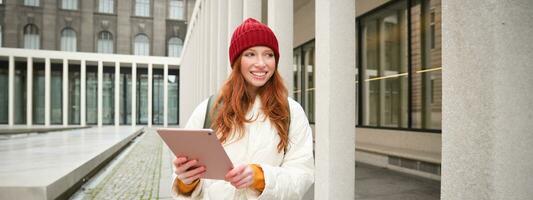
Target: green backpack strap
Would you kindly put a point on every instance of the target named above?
(207, 119)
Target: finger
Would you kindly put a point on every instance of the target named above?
(179, 161)
(186, 166)
(193, 178)
(244, 173)
(235, 171)
(193, 172)
(245, 182)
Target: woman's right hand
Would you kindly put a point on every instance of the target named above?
(186, 171)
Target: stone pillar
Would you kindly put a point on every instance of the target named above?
(133, 94)
(165, 96)
(83, 82)
(335, 99)
(100, 84)
(252, 8)
(213, 62)
(235, 13)
(29, 90)
(86, 34)
(222, 44)
(11, 92)
(47, 77)
(487, 120)
(117, 93)
(65, 92)
(123, 38)
(150, 66)
(280, 20)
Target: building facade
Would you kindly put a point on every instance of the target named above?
(98, 62)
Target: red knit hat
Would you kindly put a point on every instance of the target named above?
(249, 34)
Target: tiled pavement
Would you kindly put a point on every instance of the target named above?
(142, 171)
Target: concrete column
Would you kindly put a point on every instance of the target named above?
(487, 117)
(222, 43)
(213, 66)
(100, 81)
(133, 94)
(280, 20)
(252, 8)
(83, 73)
(335, 98)
(47, 77)
(235, 13)
(150, 66)
(65, 92)
(29, 90)
(117, 93)
(165, 96)
(11, 91)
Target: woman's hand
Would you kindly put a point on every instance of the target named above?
(186, 171)
(241, 176)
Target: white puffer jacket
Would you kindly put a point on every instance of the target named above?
(287, 176)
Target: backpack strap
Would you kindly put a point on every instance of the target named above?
(207, 119)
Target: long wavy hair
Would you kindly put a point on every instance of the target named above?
(234, 102)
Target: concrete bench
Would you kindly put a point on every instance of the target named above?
(54, 164)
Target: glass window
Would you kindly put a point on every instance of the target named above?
(91, 97)
(125, 95)
(31, 37)
(68, 40)
(142, 8)
(384, 62)
(157, 96)
(38, 93)
(175, 45)
(304, 81)
(56, 94)
(426, 67)
(142, 45)
(31, 2)
(105, 42)
(1, 36)
(74, 92)
(108, 96)
(105, 6)
(385, 73)
(20, 92)
(173, 96)
(177, 8)
(69, 4)
(4, 91)
(142, 96)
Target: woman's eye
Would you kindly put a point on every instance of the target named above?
(270, 54)
(249, 54)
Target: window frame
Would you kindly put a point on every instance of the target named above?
(359, 64)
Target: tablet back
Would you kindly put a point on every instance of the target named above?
(200, 144)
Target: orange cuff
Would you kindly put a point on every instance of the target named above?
(187, 189)
(259, 178)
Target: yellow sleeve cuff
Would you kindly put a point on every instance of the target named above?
(187, 189)
(259, 178)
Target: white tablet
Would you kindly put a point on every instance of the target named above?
(200, 144)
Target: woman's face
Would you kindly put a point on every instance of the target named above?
(257, 66)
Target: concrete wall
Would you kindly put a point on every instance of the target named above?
(487, 99)
(304, 24)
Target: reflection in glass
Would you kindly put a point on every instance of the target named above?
(310, 82)
(125, 96)
(91, 98)
(38, 93)
(74, 94)
(426, 56)
(20, 93)
(157, 96)
(4, 92)
(108, 96)
(297, 75)
(384, 62)
(173, 96)
(142, 96)
(56, 94)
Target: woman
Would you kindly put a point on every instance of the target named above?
(266, 134)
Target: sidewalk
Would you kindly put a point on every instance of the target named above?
(143, 171)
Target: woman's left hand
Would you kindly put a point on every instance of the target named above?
(241, 176)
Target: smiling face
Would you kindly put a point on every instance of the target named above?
(258, 64)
